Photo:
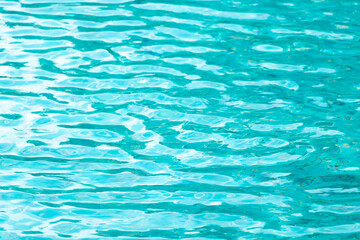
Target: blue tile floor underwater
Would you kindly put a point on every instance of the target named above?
(185, 119)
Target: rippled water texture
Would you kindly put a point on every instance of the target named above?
(189, 119)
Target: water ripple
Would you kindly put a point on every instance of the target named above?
(132, 119)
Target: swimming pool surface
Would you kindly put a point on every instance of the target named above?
(183, 119)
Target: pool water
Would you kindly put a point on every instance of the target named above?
(188, 119)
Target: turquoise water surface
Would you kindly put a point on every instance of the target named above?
(184, 119)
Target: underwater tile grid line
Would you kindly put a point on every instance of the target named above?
(186, 119)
